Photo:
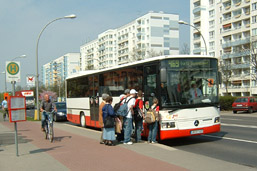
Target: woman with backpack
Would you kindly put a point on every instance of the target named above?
(108, 118)
(138, 116)
(154, 126)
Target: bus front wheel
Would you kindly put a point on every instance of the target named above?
(82, 120)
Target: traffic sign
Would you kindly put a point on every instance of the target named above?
(30, 80)
(13, 71)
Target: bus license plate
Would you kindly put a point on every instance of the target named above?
(200, 131)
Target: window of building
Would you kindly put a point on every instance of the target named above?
(254, 6)
(211, 34)
(211, 13)
(254, 31)
(254, 19)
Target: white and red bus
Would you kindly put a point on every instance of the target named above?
(29, 95)
(168, 78)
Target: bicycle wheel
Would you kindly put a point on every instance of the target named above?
(46, 131)
(51, 132)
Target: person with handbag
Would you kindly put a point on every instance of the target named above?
(138, 116)
(104, 96)
(109, 122)
(154, 126)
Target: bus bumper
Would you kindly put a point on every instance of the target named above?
(168, 134)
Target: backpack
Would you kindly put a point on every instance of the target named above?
(117, 106)
(150, 116)
(123, 109)
(138, 115)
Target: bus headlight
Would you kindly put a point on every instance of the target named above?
(168, 125)
(60, 113)
(217, 119)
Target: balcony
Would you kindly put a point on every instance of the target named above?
(237, 4)
(198, 9)
(236, 42)
(238, 15)
(198, 50)
(238, 66)
(227, 7)
(235, 54)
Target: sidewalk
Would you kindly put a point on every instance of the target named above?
(76, 148)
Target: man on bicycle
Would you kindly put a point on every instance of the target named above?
(46, 106)
(5, 108)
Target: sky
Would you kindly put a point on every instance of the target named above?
(22, 20)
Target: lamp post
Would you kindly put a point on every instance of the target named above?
(185, 23)
(37, 84)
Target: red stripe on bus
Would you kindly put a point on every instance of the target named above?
(76, 119)
(167, 134)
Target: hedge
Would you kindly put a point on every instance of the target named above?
(226, 102)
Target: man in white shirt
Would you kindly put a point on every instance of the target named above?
(128, 119)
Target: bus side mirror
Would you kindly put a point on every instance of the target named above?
(163, 74)
(219, 77)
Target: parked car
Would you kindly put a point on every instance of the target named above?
(61, 113)
(245, 104)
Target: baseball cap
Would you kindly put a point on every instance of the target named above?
(133, 91)
(104, 96)
(127, 91)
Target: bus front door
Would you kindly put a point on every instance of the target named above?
(94, 101)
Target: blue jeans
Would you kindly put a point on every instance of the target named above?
(138, 129)
(127, 129)
(152, 131)
(45, 116)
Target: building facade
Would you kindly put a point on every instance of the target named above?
(149, 35)
(230, 28)
(56, 71)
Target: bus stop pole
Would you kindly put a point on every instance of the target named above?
(15, 124)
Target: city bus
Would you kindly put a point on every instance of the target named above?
(168, 78)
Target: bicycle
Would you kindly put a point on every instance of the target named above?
(49, 130)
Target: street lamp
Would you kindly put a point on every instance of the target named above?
(37, 84)
(185, 23)
(22, 56)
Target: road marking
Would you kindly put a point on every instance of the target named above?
(231, 119)
(237, 125)
(234, 139)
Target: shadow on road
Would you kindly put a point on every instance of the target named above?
(43, 150)
(61, 138)
(9, 139)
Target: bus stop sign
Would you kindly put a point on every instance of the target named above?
(12, 71)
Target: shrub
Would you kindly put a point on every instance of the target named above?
(226, 102)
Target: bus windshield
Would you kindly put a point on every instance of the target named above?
(189, 82)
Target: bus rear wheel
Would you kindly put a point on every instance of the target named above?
(82, 121)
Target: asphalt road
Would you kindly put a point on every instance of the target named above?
(236, 143)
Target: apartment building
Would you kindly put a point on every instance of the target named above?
(57, 70)
(229, 27)
(155, 33)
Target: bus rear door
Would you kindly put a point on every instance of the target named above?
(94, 101)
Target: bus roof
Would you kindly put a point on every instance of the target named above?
(158, 58)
